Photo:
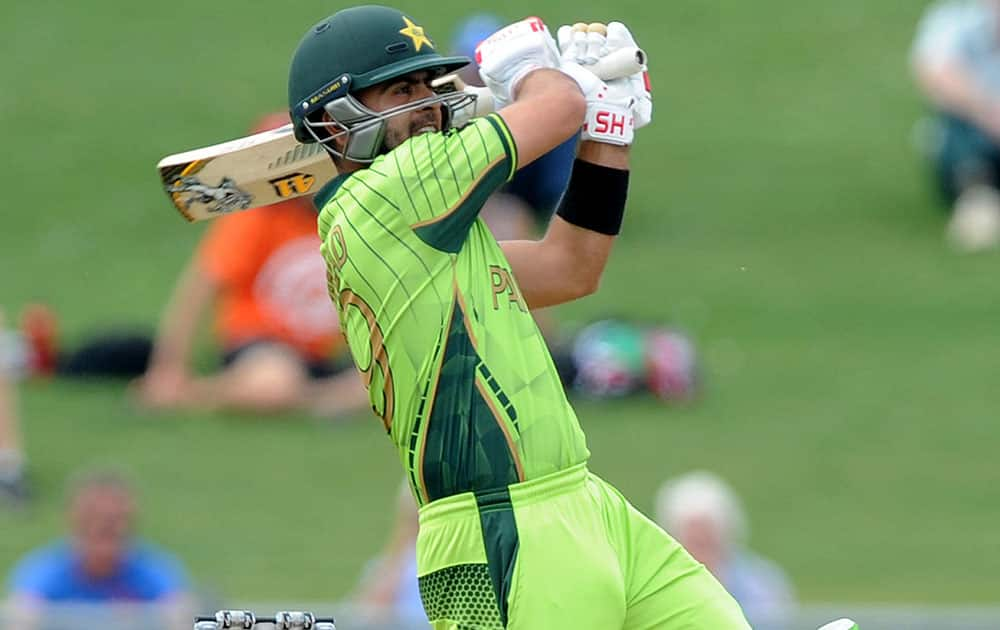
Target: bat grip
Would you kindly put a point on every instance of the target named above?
(621, 63)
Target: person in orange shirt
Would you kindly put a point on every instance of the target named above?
(279, 334)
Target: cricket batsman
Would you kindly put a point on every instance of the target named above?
(515, 531)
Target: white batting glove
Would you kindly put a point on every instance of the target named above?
(507, 56)
(619, 37)
(609, 116)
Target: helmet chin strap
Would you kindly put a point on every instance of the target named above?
(364, 129)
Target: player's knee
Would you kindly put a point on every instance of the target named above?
(268, 380)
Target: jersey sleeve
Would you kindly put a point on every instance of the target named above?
(445, 179)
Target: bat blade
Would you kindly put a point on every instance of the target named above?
(249, 172)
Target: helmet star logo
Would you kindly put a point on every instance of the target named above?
(416, 35)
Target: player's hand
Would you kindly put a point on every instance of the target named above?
(614, 108)
(619, 37)
(609, 116)
(507, 56)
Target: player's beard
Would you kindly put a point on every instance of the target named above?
(394, 138)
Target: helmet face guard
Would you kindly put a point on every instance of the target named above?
(363, 129)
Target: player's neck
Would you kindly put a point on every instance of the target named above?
(346, 166)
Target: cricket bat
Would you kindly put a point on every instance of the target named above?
(270, 167)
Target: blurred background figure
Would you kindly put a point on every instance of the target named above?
(702, 512)
(614, 357)
(956, 62)
(388, 591)
(13, 486)
(278, 333)
(101, 562)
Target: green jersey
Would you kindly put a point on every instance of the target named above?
(454, 364)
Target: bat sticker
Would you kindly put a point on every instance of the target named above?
(226, 197)
(293, 184)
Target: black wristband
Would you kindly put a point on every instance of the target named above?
(595, 198)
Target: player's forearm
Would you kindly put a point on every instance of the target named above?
(569, 261)
(565, 265)
(603, 154)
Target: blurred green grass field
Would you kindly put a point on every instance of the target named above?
(779, 213)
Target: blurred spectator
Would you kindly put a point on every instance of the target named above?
(29, 349)
(611, 358)
(388, 591)
(278, 332)
(702, 513)
(101, 563)
(956, 62)
(13, 487)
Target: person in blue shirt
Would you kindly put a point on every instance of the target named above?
(101, 561)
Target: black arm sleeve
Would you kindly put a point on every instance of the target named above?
(595, 198)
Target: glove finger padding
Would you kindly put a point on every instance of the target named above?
(507, 56)
(596, 44)
(564, 35)
(619, 37)
(582, 43)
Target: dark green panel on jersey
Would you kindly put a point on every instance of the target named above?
(448, 233)
(496, 515)
(510, 148)
(465, 448)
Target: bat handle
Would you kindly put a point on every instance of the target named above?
(621, 63)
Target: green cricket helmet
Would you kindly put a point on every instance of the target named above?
(349, 51)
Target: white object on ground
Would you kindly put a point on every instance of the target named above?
(841, 624)
(975, 221)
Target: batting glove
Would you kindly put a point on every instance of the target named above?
(617, 107)
(618, 37)
(507, 56)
